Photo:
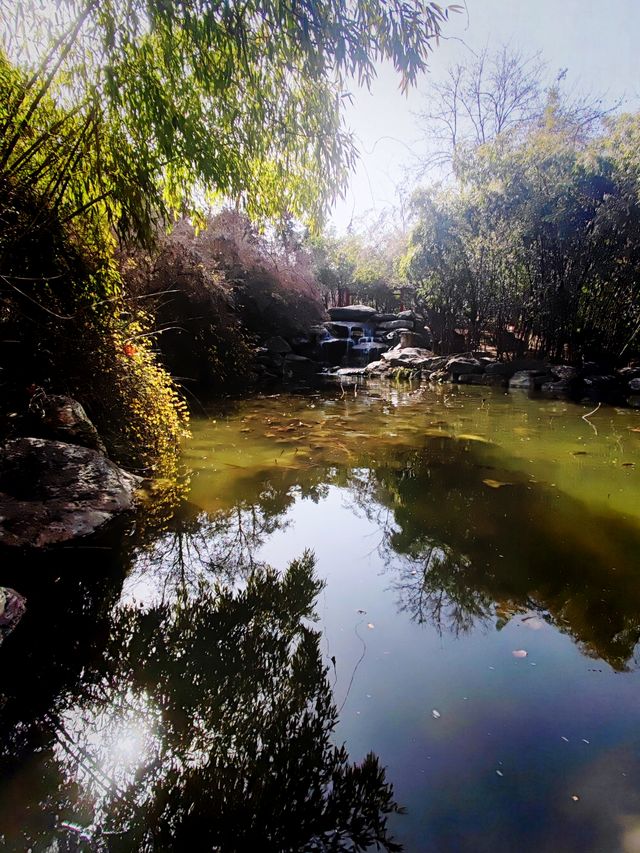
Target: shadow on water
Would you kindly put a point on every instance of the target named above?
(196, 724)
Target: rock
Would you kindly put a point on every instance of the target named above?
(364, 352)
(52, 492)
(409, 357)
(390, 325)
(376, 366)
(350, 371)
(438, 376)
(360, 313)
(563, 372)
(64, 419)
(278, 345)
(383, 318)
(527, 379)
(602, 382)
(333, 350)
(345, 329)
(634, 401)
(634, 385)
(499, 368)
(12, 607)
(495, 381)
(458, 366)
(559, 388)
(299, 367)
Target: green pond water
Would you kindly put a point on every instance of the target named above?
(471, 617)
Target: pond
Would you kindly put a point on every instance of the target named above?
(470, 614)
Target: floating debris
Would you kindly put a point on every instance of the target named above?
(495, 484)
(584, 740)
(370, 625)
(499, 773)
(575, 798)
(565, 739)
(436, 714)
(519, 653)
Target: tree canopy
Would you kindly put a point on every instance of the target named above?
(179, 100)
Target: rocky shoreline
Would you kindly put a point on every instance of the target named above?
(357, 341)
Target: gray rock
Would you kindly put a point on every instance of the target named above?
(64, 419)
(634, 401)
(527, 379)
(499, 368)
(559, 388)
(563, 372)
(603, 382)
(376, 366)
(383, 318)
(408, 357)
(353, 312)
(351, 371)
(634, 385)
(12, 607)
(495, 381)
(52, 492)
(390, 325)
(458, 366)
(343, 328)
(277, 344)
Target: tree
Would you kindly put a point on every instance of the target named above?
(235, 99)
(499, 94)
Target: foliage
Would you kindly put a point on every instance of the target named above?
(363, 266)
(269, 273)
(540, 236)
(200, 340)
(239, 100)
(65, 325)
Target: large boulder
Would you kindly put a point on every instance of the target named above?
(358, 313)
(64, 419)
(51, 491)
(463, 366)
(390, 325)
(277, 345)
(528, 379)
(499, 368)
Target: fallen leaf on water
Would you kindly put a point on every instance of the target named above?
(628, 464)
(371, 625)
(633, 429)
(467, 436)
(575, 798)
(519, 653)
(495, 484)
(436, 714)
(579, 452)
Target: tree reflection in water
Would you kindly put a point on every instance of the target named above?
(461, 553)
(206, 726)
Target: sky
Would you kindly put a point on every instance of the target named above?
(597, 42)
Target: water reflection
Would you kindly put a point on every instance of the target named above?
(205, 724)
(469, 536)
